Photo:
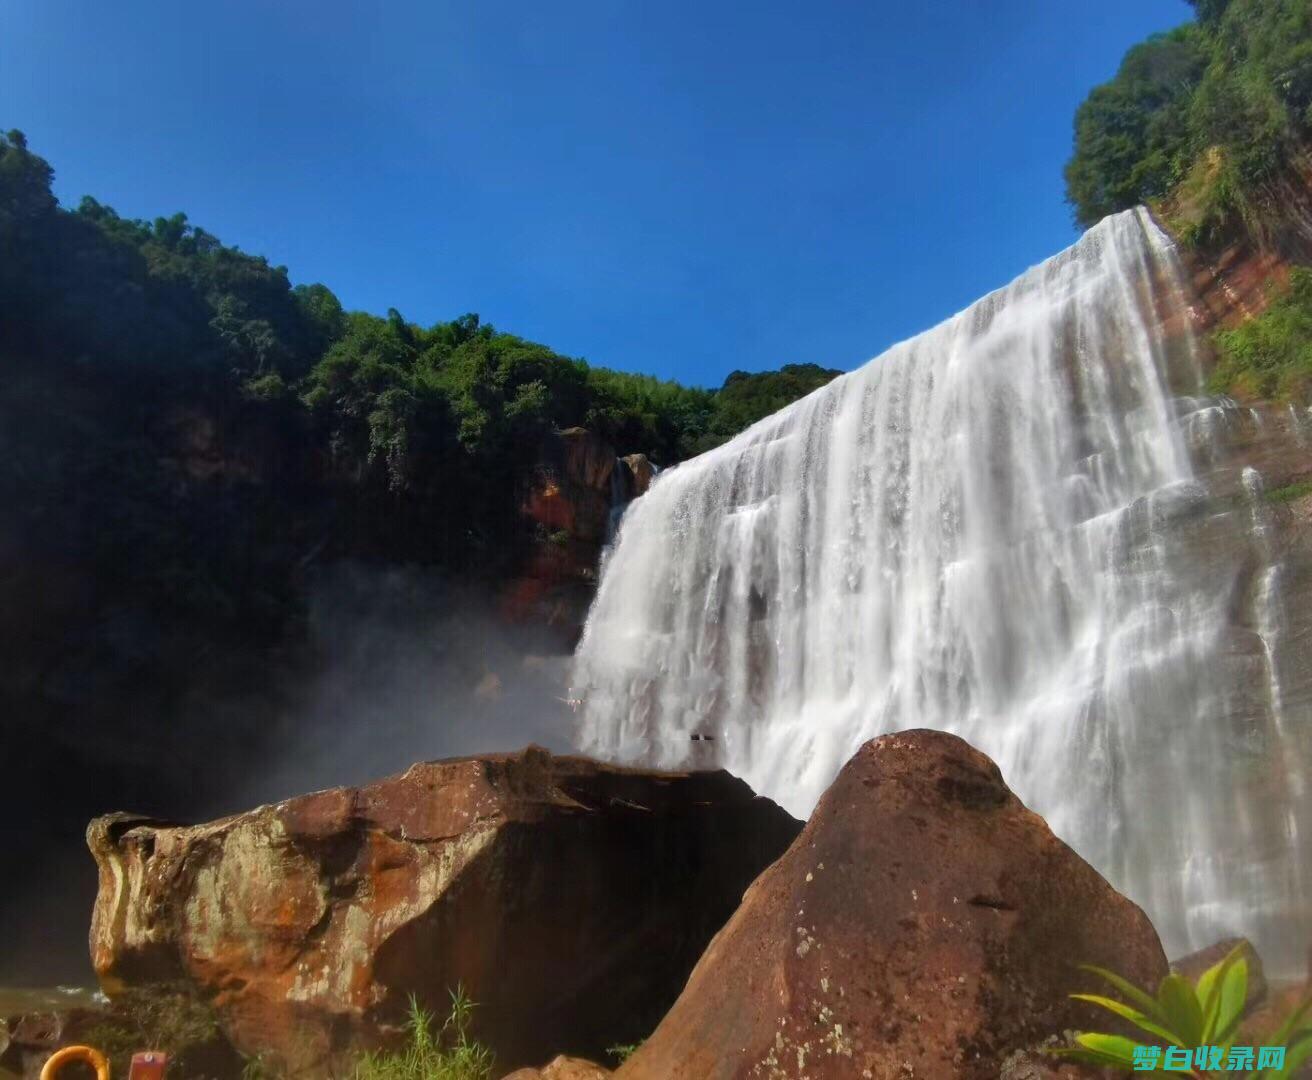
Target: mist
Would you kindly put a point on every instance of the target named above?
(388, 667)
(411, 666)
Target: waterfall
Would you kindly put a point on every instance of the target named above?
(998, 528)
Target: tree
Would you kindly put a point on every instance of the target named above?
(1132, 140)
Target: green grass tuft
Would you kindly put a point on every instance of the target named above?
(446, 1054)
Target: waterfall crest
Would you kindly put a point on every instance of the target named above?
(997, 528)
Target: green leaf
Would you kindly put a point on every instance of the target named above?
(1141, 998)
(1208, 989)
(1179, 1005)
(1131, 1014)
(1230, 1000)
(1109, 1049)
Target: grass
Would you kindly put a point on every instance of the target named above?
(623, 1051)
(1270, 357)
(445, 1054)
(1290, 492)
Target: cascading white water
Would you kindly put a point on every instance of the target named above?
(977, 531)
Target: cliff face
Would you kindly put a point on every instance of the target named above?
(1238, 532)
(575, 494)
(166, 700)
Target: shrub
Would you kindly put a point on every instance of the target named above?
(1270, 356)
(623, 1051)
(164, 1017)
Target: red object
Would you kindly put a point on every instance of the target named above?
(148, 1066)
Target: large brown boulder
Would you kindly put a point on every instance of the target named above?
(570, 899)
(924, 924)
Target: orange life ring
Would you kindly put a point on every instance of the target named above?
(69, 1054)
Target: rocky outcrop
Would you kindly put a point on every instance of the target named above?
(569, 899)
(573, 487)
(577, 488)
(640, 472)
(925, 923)
(563, 1068)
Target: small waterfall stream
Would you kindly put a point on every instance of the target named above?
(999, 528)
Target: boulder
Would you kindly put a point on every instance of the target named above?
(924, 924)
(588, 458)
(1193, 965)
(563, 1068)
(568, 898)
(640, 473)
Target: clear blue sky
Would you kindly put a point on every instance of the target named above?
(682, 187)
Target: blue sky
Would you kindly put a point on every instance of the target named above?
(681, 188)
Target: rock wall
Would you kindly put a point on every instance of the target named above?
(568, 898)
(576, 494)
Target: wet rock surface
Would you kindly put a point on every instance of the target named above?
(925, 923)
(570, 900)
(640, 472)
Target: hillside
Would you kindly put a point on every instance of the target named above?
(188, 444)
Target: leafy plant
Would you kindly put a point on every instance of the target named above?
(621, 1052)
(447, 1054)
(1189, 1015)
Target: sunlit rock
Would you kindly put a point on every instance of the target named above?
(569, 900)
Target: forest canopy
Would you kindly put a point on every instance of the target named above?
(121, 334)
(1210, 117)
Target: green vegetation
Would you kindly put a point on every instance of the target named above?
(1270, 356)
(165, 1018)
(125, 339)
(448, 1054)
(1211, 124)
(746, 398)
(623, 1051)
(1185, 1015)
(1290, 492)
(186, 436)
(1211, 119)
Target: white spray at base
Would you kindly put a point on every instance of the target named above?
(985, 530)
